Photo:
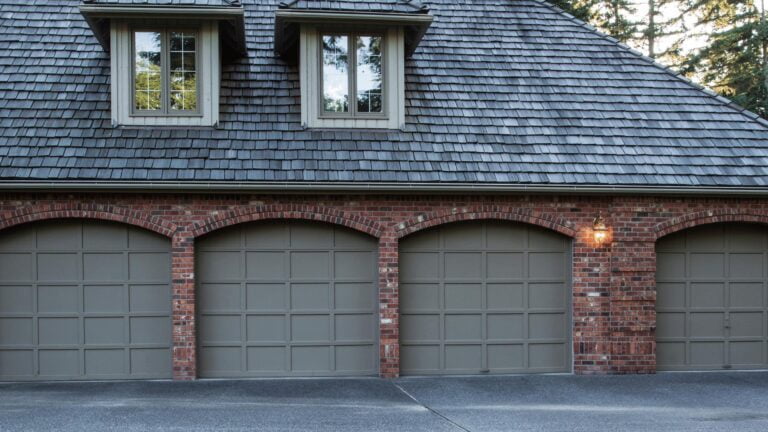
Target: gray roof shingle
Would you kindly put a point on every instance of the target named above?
(499, 91)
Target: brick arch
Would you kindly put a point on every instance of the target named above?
(706, 217)
(277, 212)
(87, 211)
(485, 213)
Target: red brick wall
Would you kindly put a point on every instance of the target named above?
(613, 285)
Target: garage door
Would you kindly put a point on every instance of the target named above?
(287, 299)
(711, 298)
(84, 300)
(484, 297)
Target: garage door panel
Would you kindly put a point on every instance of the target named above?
(670, 324)
(103, 298)
(110, 362)
(463, 266)
(266, 328)
(150, 330)
(58, 299)
(419, 297)
(706, 265)
(104, 237)
(59, 363)
(16, 331)
(505, 265)
(353, 328)
(267, 359)
(310, 296)
(148, 267)
(353, 265)
(548, 266)
(707, 295)
(310, 328)
(15, 266)
(707, 354)
(546, 296)
(219, 297)
(463, 327)
(17, 364)
(748, 354)
(147, 361)
(353, 296)
(353, 359)
(505, 296)
(310, 265)
(311, 359)
(142, 240)
(419, 266)
(747, 294)
(506, 357)
(746, 265)
(711, 299)
(502, 327)
(415, 328)
(104, 331)
(462, 298)
(104, 267)
(546, 356)
(670, 294)
(58, 331)
(459, 358)
(220, 266)
(747, 324)
(149, 299)
(16, 299)
(266, 297)
(58, 267)
(306, 289)
(65, 235)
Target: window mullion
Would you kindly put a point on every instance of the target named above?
(166, 68)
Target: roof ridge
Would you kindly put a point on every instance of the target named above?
(414, 4)
(709, 92)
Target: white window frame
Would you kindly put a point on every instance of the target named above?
(393, 85)
(208, 77)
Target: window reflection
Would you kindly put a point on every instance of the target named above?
(335, 74)
(148, 72)
(369, 94)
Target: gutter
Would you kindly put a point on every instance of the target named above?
(411, 188)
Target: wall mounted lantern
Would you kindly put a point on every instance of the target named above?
(599, 230)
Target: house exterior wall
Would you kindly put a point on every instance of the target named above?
(613, 285)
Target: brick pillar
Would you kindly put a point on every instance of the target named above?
(591, 304)
(183, 274)
(633, 307)
(389, 314)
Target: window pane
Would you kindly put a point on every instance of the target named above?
(147, 71)
(335, 73)
(369, 74)
(183, 89)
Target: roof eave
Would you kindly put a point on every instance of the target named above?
(286, 20)
(231, 20)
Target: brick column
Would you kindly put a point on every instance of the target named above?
(183, 274)
(389, 304)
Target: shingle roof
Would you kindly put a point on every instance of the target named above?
(499, 91)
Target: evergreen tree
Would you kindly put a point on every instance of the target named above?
(734, 61)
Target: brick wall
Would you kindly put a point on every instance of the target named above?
(613, 285)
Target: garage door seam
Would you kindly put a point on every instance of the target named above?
(430, 409)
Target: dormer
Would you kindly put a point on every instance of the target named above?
(166, 59)
(351, 63)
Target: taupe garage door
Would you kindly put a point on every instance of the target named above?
(479, 297)
(711, 298)
(287, 299)
(84, 300)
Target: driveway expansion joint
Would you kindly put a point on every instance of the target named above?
(430, 409)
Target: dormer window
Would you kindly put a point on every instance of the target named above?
(166, 59)
(165, 72)
(352, 75)
(351, 63)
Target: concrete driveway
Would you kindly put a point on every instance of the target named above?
(665, 402)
